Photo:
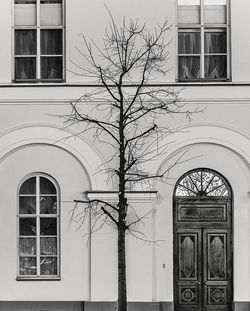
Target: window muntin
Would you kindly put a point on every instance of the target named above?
(38, 40)
(38, 228)
(202, 182)
(203, 49)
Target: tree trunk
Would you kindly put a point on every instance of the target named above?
(122, 287)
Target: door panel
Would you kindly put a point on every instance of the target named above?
(217, 271)
(188, 269)
(203, 275)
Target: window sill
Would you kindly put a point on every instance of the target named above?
(38, 278)
(203, 80)
(36, 81)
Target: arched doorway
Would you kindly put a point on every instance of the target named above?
(203, 268)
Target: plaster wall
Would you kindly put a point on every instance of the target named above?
(81, 17)
(237, 172)
(72, 179)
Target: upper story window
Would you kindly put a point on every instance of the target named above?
(203, 40)
(38, 228)
(38, 40)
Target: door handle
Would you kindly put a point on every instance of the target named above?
(205, 283)
(199, 283)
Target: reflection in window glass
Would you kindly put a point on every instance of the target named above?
(48, 246)
(27, 246)
(48, 265)
(27, 204)
(48, 204)
(27, 265)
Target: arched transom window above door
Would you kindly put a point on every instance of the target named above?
(202, 182)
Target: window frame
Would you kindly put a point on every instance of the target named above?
(37, 216)
(202, 28)
(38, 56)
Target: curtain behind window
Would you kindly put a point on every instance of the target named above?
(215, 65)
(189, 66)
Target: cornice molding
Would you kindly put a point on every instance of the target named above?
(133, 196)
(66, 101)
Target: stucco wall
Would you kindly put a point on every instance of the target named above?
(88, 270)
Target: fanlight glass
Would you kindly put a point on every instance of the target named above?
(202, 182)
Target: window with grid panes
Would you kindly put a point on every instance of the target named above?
(38, 228)
(203, 40)
(38, 40)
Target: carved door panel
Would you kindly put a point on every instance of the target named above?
(187, 266)
(203, 270)
(217, 269)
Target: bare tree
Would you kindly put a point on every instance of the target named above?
(131, 109)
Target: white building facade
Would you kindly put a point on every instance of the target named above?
(201, 217)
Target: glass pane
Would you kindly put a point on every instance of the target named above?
(46, 186)
(188, 2)
(27, 205)
(215, 42)
(188, 11)
(215, 2)
(25, 68)
(216, 67)
(48, 265)
(48, 205)
(51, 42)
(29, 186)
(189, 43)
(215, 11)
(48, 226)
(27, 246)
(48, 246)
(51, 13)
(221, 191)
(183, 191)
(25, 42)
(27, 226)
(202, 183)
(51, 67)
(27, 266)
(189, 67)
(25, 13)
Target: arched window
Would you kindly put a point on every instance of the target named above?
(38, 228)
(202, 182)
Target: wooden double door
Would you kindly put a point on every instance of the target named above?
(203, 275)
